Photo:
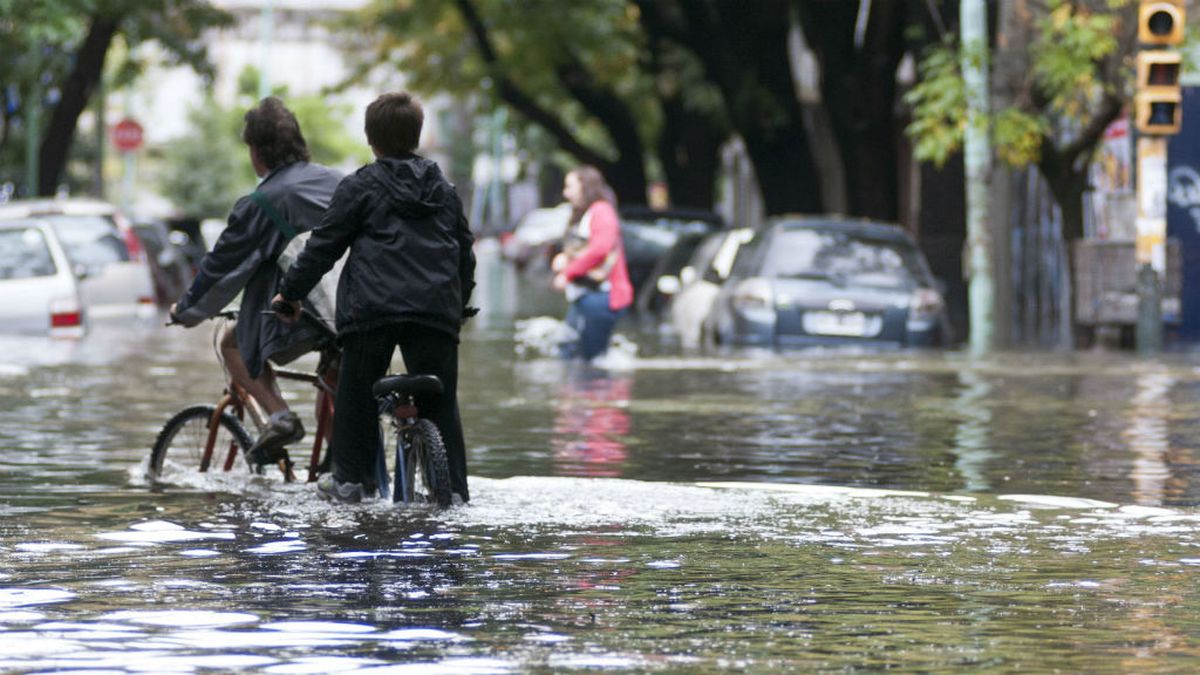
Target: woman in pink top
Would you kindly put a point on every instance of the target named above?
(591, 269)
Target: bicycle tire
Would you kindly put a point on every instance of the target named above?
(425, 456)
(183, 438)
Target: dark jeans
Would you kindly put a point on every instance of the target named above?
(366, 357)
(591, 318)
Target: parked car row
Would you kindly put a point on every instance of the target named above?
(65, 262)
(793, 281)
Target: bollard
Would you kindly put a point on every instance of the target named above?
(1149, 325)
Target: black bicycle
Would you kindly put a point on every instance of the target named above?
(422, 471)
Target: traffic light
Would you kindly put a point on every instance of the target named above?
(1158, 103)
(1160, 22)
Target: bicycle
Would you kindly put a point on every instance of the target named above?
(420, 452)
(209, 438)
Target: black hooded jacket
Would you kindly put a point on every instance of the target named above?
(410, 249)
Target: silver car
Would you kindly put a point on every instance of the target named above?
(38, 290)
(116, 280)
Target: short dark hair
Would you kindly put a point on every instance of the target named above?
(394, 123)
(272, 130)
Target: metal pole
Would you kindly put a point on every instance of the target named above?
(33, 127)
(1151, 240)
(265, 37)
(977, 159)
(101, 139)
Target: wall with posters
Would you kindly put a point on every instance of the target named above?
(1183, 211)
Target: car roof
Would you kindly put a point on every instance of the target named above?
(23, 222)
(861, 227)
(74, 206)
(642, 212)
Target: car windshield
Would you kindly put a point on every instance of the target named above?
(842, 257)
(24, 254)
(90, 240)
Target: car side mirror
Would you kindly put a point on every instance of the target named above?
(80, 271)
(687, 276)
(668, 285)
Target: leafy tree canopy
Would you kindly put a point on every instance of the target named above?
(1072, 53)
(208, 169)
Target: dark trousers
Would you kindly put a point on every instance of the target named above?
(591, 318)
(366, 357)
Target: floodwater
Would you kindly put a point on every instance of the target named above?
(822, 510)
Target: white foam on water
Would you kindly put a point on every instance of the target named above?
(181, 617)
(542, 336)
(24, 597)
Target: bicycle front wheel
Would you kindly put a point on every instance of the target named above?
(183, 444)
(426, 471)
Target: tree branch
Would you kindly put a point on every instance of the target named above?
(513, 95)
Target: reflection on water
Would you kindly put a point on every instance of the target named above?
(801, 511)
(591, 424)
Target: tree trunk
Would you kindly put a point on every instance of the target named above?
(858, 86)
(76, 92)
(627, 173)
(689, 150)
(746, 55)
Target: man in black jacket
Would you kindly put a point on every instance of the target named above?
(406, 283)
(244, 260)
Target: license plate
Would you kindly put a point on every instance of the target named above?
(848, 324)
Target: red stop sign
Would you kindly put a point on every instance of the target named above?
(127, 135)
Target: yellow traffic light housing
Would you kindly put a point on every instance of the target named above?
(1158, 104)
(1160, 22)
(1158, 114)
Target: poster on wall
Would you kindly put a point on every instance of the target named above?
(1183, 211)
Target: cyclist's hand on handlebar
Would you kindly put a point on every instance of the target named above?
(287, 310)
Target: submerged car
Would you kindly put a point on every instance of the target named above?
(115, 276)
(693, 289)
(817, 280)
(649, 234)
(38, 290)
(536, 236)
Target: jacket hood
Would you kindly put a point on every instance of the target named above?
(414, 183)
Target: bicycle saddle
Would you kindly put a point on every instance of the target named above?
(407, 385)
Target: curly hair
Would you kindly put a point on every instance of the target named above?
(272, 130)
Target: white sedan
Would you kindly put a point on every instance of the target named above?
(38, 290)
(115, 277)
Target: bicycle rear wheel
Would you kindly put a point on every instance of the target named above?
(426, 471)
(180, 446)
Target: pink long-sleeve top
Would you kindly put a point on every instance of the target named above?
(605, 233)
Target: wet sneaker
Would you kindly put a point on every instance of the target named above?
(280, 431)
(335, 490)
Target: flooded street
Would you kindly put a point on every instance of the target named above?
(817, 510)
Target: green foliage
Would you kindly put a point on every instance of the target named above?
(535, 42)
(939, 103)
(1070, 46)
(209, 168)
(1017, 136)
(39, 40)
(205, 171)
